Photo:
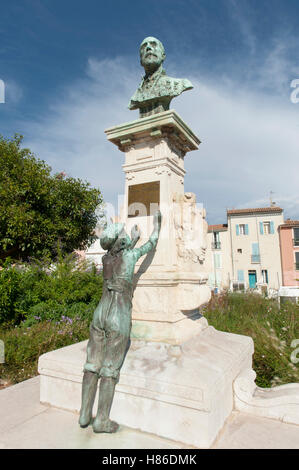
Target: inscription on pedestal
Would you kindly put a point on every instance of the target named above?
(143, 199)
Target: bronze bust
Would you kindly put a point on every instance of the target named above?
(156, 89)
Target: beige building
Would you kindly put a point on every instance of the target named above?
(255, 246)
(245, 252)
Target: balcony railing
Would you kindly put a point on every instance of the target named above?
(295, 242)
(216, 245)
(255, 258)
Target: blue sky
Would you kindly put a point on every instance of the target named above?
(70, 68)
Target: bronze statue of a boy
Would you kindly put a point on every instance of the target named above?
(111, 325)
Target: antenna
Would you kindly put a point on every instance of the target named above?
(272, 203)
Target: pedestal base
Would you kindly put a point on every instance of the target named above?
(181, 392)
(174, 333)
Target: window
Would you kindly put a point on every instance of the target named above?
(267, 228)
(239, 250)
(239, 285)
(297, 261)
(216, 245)
(242, 229)
(296, 236)
(265, 276)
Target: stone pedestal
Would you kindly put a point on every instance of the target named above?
(184, 392)
(171, 283)
(177, 378)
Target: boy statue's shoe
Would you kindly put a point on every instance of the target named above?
(105, 426)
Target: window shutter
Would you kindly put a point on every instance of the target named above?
(255, 249)
(240, 275)
(271, 227)
(261, 228)
(217, 260)
(246, 229)
(237, 229)
(211, 280)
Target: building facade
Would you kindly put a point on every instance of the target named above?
(245, 252)
(289, 247)
(218, 258)
(255, 249)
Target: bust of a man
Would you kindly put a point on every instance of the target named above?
(156, 89)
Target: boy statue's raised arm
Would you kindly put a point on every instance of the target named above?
(153, 239)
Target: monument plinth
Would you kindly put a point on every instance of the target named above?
(170, 285)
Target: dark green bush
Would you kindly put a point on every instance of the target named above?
(40, 291)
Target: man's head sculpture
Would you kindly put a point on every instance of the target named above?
(152, 54)
(156, 89)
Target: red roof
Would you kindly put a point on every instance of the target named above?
(290, 223)
(258, 210)
(217, 228)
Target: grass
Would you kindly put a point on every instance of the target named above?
(272, 327)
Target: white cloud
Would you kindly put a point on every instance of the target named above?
(249, 147)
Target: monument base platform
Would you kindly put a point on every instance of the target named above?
(181, 392)
(176, 332)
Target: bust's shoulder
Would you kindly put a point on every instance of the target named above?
(176, 84)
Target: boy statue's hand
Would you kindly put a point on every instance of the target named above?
(157, 220)
(135, 232)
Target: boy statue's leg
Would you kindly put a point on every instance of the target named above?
(102, 423)
(116, 347)
(95, 356)
(89, 388)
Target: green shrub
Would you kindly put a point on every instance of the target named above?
(40, 291)
(272, 327)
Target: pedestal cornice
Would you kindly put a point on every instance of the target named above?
(166, 124)
(155, 164)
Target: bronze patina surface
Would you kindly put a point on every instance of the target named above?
(111, 325)
(156, 89)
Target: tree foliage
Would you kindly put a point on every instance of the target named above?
(41, 213)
